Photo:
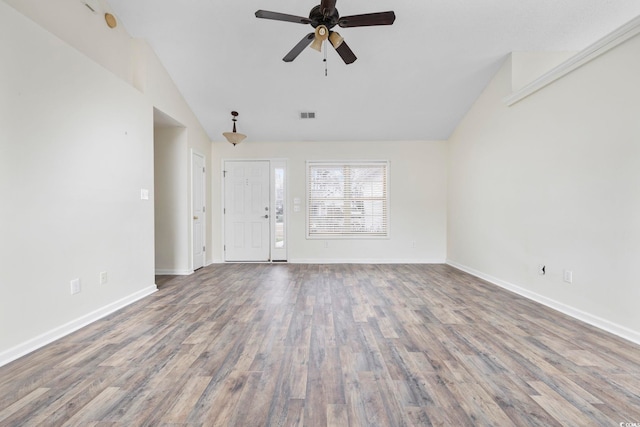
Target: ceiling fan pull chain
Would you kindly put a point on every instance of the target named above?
(325, 59)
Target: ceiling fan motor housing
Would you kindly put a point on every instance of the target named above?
(318, 18)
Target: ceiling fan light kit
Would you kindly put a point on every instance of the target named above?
(234, 137)
(335, 39)
(323, 18)
(321, 34)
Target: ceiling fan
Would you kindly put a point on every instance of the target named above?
(323, 18)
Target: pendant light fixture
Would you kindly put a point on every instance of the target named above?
(234, 137)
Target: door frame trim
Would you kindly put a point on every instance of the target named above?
(193, 153)
(273, 164)
(271, 205)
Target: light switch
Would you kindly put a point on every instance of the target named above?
(75, 286)
(144, 194)
(568, 276)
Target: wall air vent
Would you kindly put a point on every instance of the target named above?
(307, 115)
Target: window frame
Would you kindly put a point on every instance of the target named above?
(348, 163)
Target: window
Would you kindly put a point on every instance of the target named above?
(279, 207)
(347, 200)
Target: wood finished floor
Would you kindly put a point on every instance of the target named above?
(316, 345)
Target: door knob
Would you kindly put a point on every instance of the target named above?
(195, 217)
(266, 216)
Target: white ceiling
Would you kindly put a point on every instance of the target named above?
(413, 80)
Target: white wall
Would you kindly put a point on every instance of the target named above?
(555, 180)
(76, 25)
(417, 192)
(132, 60)
(76, 148)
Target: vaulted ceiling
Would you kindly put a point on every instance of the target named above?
(413, 80)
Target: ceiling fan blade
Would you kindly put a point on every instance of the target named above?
(341, 47)
(297, 49)
(367, 19)
(276, 16)
(327, 7)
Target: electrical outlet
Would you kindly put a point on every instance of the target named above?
(75, 286)
(568, 276)
(103, 277)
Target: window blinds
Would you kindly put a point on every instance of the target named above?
(347, 200)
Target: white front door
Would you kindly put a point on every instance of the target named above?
(246, 210)
(197, 209)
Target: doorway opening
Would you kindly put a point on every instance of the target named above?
(169, 196)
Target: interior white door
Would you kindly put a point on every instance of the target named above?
(246, 210)
(198, 210)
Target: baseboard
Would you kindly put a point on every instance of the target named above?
(598, 322)
(348, 261)
(175, 272)
(364, 261)
(170, 272)
(59, 332)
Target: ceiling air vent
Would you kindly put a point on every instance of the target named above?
(92, 5)
(307, 115)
